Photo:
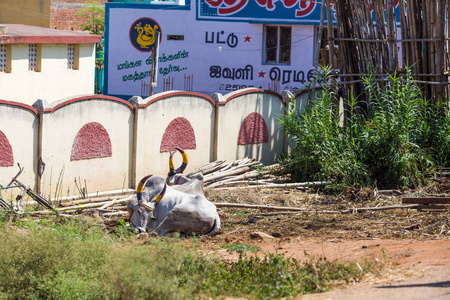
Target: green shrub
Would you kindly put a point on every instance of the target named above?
(393, 139)
(76, 260)
(323, 150)
(61, 262)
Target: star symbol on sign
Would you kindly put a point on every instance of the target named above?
(247, 39)
(261, 74)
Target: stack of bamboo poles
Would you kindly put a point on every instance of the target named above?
(368, 43)
(240, 174)
(247, 173)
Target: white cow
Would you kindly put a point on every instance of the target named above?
(165, 209)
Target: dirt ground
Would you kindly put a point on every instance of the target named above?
(412, 247)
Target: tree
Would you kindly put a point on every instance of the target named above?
(94, 13)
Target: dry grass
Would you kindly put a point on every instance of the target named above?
(390, 224)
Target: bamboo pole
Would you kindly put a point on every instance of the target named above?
(296, 209)
(220, 175)
(91, 200)
(279, 185)
(92, 205)
(330, 34)
(319, 42)
(432, 34)
(440, 46)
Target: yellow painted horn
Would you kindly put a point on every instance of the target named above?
(171, 166)
(140, 187)
(161, 195)
(185, 161)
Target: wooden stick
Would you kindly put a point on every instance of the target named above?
(90, 200)
(224, 181)
(219, 175)
(279, 185)
(296, 209)
(92, 205)
(118, 213)
(208, 168)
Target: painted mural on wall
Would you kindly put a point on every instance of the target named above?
(224, 45)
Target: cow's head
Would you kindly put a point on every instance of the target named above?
(150, 191)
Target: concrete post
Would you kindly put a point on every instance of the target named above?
(44, 109)
(217, 97)
(287, 97)
(137, 163)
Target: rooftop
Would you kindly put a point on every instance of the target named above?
(26, 34)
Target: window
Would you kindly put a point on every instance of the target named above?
(34, 57)
(175, 37)
(73, 55)
(5, 58)
(277, 44)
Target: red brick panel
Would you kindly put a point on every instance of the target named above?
(253, 130)
(179, 133)
(92, 141)
(6, 154)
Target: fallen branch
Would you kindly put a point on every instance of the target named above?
(279, 185)
(93, 205)
(117, 213)
(238, 178)
(220, 175)
(297, 210)
(89, 200)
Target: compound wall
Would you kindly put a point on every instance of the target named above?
(101, 143)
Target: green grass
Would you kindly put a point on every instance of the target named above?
(75, 259)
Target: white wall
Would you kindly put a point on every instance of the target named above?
(233, 113)
(61, 128)
(62, 121)
(20, 126)
(197, 109)
(55, 81)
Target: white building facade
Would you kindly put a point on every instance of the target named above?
(42, 63)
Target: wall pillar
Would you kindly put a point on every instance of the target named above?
(217, 97)
(137, 151)
(44, 110)
(288, 96)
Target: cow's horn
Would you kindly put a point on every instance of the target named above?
(140, 188)
(161, 195)
(171, 167)
(185, 161)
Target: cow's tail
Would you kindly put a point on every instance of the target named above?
(216, 227)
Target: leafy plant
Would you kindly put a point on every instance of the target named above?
(241, 248)
(94, 13)
(323, 150)
(393, 139)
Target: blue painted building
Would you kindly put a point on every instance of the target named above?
(209, 46)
